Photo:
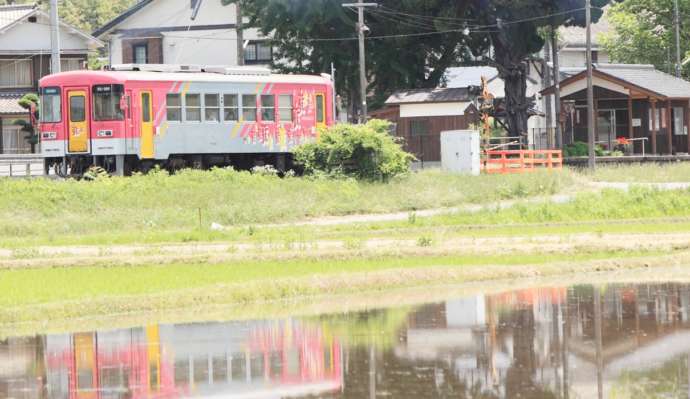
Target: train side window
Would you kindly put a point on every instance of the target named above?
(268, 108)
(211, 108)
(249, 107)
(320, 108)
(192, 106)
(285, 108)
(231, 109)
(174, 107)
(77, 109)
(146, 107)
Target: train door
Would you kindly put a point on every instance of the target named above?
(146, 125)
(320, 110)
(79, 137)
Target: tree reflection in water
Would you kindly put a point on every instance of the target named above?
(532, 343)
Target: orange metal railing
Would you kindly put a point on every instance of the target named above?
(521, 161)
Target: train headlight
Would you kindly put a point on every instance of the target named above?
(49, 135)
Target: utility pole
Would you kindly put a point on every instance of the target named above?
(54, 37)
(240, 33)
(557, 85)
(361, 30)
(676, 22)
(590, 88)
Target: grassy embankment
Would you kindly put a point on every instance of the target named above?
(157, 208)
(160, 208)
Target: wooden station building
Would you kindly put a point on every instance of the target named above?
(632, 101)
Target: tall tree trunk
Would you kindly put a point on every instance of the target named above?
(513, 71)
(516, 104)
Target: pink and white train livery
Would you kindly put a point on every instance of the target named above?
(130, 119)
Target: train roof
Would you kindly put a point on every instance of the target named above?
(122, 76)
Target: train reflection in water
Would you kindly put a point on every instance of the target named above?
(617, 341)
(253, 359)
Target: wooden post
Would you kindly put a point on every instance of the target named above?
(653, 102)
(669, 127)
(631, 131)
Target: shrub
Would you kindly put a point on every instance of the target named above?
(366, 152)
(580, 149)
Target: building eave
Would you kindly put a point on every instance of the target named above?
(121, 18)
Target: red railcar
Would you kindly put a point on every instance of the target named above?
(135, 117)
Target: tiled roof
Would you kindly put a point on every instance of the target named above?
(643, 76)
(9, 104)
(647, 77)
(575, 36)
(12, 13)
(430, 96)
(469, 76)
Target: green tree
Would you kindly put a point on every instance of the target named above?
(643, 33)
(88, 15)
(513, 29)
(30, 103)
(307, 39)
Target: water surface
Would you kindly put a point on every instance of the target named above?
(617, 341)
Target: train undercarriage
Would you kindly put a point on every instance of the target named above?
(77, 166)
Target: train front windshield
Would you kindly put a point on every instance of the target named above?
(51, 103)
(106, 102)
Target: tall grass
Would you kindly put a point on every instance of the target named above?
(158, 202)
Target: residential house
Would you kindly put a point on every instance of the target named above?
(419, 117)
(163, 32)
(572, 43)
(25, 49)
(634, 104)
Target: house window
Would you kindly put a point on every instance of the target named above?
(15, 73)
(595, 57)
(230, 107)
(70, 64)
(173, 104)
(14, 140)
(285, 108)
(192, 107)
(141, 54)
(211, 108)
(419, 128)
(678, 122)
(259, 52)
(249, 107)
(657, 120)
(268, 108)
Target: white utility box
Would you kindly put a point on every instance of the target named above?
(460, 151)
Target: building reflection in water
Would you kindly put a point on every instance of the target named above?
(578, 342)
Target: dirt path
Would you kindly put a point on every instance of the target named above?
(472, 208)
(131, 255)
